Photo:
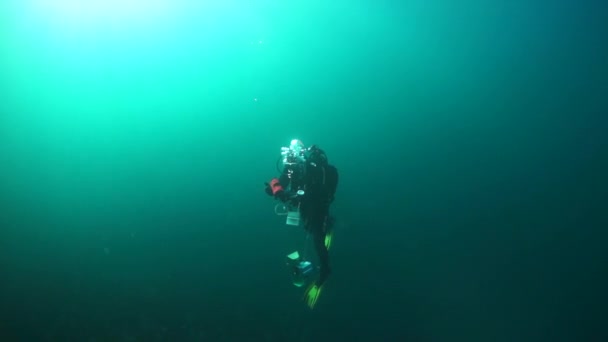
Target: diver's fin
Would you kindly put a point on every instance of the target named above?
(312, 295)
(328, 239)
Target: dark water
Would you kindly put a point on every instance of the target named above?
(470, 137)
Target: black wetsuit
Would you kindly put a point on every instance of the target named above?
(319, 182)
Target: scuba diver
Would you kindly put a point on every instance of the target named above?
(306, 186)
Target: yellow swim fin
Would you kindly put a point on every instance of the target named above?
(312, 295)
(328, 238)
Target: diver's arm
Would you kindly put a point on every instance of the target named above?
(279, 187)
(284, 180)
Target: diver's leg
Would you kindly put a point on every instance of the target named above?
(316, 227)
(319, 241)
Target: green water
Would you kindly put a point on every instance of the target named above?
(135, 138)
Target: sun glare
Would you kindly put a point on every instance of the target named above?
(87, 13)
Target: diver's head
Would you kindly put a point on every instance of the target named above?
(294, 154)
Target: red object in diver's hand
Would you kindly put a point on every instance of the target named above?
(274, 188)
